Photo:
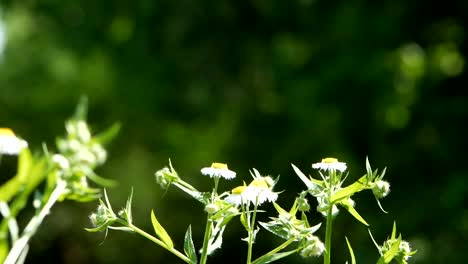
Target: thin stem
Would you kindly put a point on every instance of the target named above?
(33, 225)
(159, 242)
(328, 235)
(206, 240)
(251, 232)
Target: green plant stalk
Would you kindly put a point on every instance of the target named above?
(31, 228)
(157, 241)
(206, 239)
(208, 225)
(251, 231)
(328, 236)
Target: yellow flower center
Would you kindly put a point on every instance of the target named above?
(329, 160)
(6, 132)
(216, 165)
(239, 189)
(260, 183)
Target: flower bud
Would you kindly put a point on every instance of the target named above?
(303, 204)
(211, 208)
(165, 177)
(381, 189)
(103, 217)
(313, 248)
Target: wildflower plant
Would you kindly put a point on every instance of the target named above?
(244, 202)
(50, 178)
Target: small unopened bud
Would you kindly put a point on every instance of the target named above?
(103, 217)
(165, 177)
(61, 161)
(211, 208)
(303, 204)
(82, 131)
(313, 248)
(381, 189)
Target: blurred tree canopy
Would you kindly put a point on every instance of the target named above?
(255, 84)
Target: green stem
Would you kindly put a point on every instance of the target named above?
(31, 228)
(251, 232)
(328, 235)
(206, 240)
(157, 241)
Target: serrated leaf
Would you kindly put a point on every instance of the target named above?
(348, 190)
(351, 252)
(161, 232)
(353, 212)
(189, 247)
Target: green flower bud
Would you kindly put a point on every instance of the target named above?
(381, 189)
(313, 247)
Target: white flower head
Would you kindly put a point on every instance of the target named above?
(330, 164)
(9, 143)
(219, 170)
(260, 190)
(61, 161)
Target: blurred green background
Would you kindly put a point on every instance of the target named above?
(254, 84)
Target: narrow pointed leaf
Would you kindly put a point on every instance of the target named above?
(189, 247)
(353, 212)
(108, 135)
(128, 207)
(280, 210)
(348, 190)
(390, 254)
(161, 232)
(310, 183)
(274, 257)
(351, 252)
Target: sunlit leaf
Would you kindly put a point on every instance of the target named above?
(348, 190)
(189, 247)
(274, 257)
(351, 252)
(353, 212)
(161, 232)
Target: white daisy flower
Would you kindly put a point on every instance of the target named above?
(9, 143)
(330, 164)
(257, 192)
(237, 196)
(218, 170)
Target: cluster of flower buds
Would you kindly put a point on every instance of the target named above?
(79, 154)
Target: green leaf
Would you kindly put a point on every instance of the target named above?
(244, 221)
(351, 252)
(390, 254)
(189, 247)
(81, 109)
(280, 210)
(348, 190)
(108, 135)
(128, 207)
(12, 186)
(100, 180)
(393, 231)
(310, 183)
(3, 250)
(161, 232)
(353, 212)
(270, 258)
